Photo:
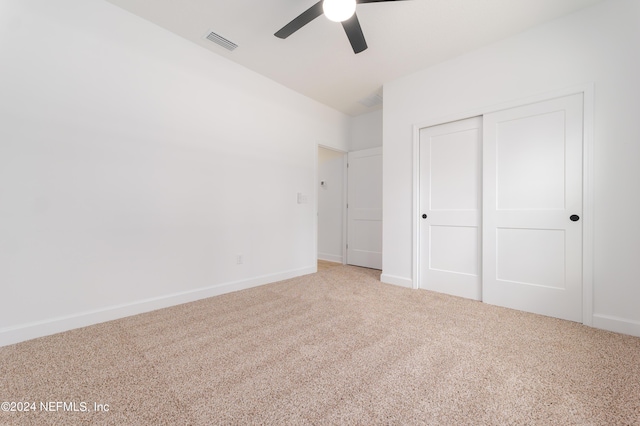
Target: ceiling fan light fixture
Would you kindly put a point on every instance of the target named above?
(339, 10)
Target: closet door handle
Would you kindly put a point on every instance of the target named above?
(574, 218)
(424, 216)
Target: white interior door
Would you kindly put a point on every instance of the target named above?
(364, 208)
(532, 204)
(450, 198)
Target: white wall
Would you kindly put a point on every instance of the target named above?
(598, 45)
(331, 166)
(135, 167)
(366, 131)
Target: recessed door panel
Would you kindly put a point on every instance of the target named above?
(530, 165)
(455, 249)
(531, 256)
(455, 169)
(366, 235)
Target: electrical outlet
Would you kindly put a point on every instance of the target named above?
(239, 259)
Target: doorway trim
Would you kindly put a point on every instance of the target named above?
(587, 90)
(344, 199)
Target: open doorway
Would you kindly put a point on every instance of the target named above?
(331, 205)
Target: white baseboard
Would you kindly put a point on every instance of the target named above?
(617, 324)
(20, 333)
(395, 280)
(330, 257)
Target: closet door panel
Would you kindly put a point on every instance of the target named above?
(532, 204)
(450, 193)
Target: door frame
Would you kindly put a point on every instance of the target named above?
(587, 90)
(344, 200)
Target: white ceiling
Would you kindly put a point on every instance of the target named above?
(317, 61)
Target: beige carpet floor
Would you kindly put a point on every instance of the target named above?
(336, 347)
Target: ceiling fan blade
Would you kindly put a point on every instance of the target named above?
(303, 19)
(354, 33)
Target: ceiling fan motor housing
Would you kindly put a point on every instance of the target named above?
(344, 13)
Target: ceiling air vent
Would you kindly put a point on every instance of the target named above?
(371, 100)
(221, 41)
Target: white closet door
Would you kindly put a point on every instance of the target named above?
(532, 208)
(364, 208)
(450, 198)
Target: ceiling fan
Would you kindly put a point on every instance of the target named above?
(343, 11)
